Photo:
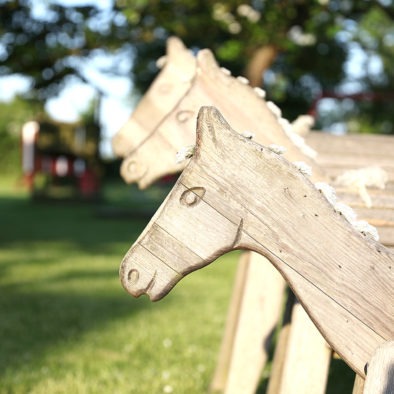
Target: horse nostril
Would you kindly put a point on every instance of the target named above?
(131, 167)
(184, 116)
(131, 170)
(133, 276)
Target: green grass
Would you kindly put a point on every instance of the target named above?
(66, 324)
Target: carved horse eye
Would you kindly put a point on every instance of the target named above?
(184, 116)
(164, 88)
(192, 197)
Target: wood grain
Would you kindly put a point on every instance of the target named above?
(165, 121)
(255, 199)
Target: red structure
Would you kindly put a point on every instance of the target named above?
(63, 156)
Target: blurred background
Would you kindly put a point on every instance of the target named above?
(74, 70)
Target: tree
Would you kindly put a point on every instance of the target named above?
(13, 115)
(298, 49)
(49, 42)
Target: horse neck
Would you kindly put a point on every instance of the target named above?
(287, 220)
(281, 215)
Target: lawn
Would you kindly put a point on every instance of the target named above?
(67, 325)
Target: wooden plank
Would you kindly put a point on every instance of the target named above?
(307, 359)
(371, 145)
(380, 375)
(380, 199)
(349, 161)
(338, 154)
(377, 216)
(386, 235)
(358, 387)
(281, 347)
(333, 170)
(279, 361)
(259, 314)
(220, 375)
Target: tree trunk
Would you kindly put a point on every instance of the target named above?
(260, 61)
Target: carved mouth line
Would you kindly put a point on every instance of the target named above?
(150, 284)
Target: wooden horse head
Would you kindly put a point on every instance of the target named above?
(244, 107)
(170, 85)
(237, 194)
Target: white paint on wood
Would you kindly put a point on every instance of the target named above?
(380, 375)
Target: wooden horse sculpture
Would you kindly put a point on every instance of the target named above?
(164, 122)
(237, 194)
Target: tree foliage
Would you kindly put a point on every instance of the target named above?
(298, 49)
(311, 42)
(13, 115)
(49, 42)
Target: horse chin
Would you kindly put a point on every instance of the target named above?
(156, 293)
(154, 288)
(141, 272)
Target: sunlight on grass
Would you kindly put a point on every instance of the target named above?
(68, 326)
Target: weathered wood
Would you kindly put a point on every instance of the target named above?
(300, 375)
(238, 194)
(164, 121)
(218, 383)
(380, 375)
(380, 199)
(152, 144)
(347, 152)
(363, 145)
(358, 387)
(173, 82)
(279, 361)
(159, 139)
(257, 320)
(151, 157)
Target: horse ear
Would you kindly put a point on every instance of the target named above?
(180, 58)
(175, 45)
(212, 130)
(206, 61)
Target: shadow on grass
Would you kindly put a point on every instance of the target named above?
(33, 322)
(36, 313)
(78, 224)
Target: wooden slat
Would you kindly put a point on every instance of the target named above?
(257, 320)
(366, 145)
(358, 387)
(307, 359)
(220, 375)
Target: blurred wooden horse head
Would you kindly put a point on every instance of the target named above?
(165, 119)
